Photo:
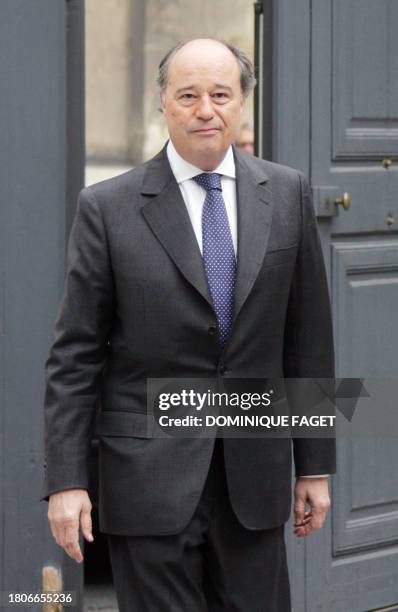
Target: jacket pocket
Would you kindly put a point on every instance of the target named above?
(125, 424)
(277, 257)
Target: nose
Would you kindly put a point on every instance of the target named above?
(205, 108)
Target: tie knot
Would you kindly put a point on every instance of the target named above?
(209, 180)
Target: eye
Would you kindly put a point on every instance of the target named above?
(220, 95)
(187, 96)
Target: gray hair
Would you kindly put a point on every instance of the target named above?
(247, 78)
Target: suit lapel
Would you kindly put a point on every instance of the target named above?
(255, 204)
(167, 216)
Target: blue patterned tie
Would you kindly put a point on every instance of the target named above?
(218, 252)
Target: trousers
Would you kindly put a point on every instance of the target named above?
(214, 564)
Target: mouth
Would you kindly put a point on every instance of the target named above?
(207, 131)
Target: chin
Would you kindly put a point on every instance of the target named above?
(212, 145)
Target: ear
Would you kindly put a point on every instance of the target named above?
(242, 104)
(162, 100)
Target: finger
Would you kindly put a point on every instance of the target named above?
(299, 510)
(53, 523)
(303, 531)
(317, 522)
(303, 525)
(57, 529)
(71, 541)
(305, 521)
(319, 515)
(73, 550)
(307, 517)
(86, 524)
(314, 524)
(303, 528)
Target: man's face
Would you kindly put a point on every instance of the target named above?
(203, 102)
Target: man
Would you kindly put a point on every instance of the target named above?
(203, 262)
(245, 140)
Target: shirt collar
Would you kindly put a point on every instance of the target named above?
(183, 170)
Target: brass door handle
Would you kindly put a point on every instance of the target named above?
(345, 201)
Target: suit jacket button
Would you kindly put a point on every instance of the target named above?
(212, 330)
(223, 369)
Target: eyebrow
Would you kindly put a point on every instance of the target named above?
(217, 85)
(221, 86)
(184, 88)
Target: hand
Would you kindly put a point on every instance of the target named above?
(315, 492)
(66, 511)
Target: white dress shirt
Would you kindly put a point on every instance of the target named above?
(194, 196)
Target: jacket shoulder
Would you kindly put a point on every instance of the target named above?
(275, 170)
(121, 190)
(279, 174)
(118, 184)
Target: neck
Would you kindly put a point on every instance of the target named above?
(206, 161)
(208, 164)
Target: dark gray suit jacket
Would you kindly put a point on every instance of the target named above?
(137, 305)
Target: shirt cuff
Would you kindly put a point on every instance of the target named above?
(315, 476)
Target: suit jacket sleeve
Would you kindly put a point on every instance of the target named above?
(78, 352)
(308, 346)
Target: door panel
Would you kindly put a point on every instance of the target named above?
(354, 119)
(354, 110)
(365, 79)
(335, 117)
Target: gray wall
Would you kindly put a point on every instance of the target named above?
(35, 176)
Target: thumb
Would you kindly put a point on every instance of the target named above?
(299, 510)
(86, 523)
